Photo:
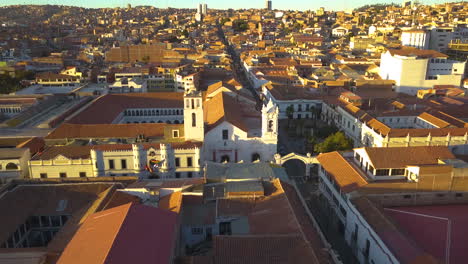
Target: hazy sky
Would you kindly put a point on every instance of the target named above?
(224, 4)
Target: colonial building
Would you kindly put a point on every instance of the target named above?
(396, 123)
(379, 196)
(165, 135)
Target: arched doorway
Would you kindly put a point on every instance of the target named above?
(255, 157)
(224, 158)
(298, 165)
(11, 166)
(295, 168)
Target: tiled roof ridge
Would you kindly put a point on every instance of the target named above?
(127, 207)
(349, 165)
(304, 237)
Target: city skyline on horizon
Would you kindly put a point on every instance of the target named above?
(301, 5)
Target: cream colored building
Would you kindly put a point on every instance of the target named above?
(414, 69)
(14, 163)
(176, 160)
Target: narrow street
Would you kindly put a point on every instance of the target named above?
(237, 68)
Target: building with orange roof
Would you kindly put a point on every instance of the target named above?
(127, 233)
(166, 135)
(38, 230)
(381, 196)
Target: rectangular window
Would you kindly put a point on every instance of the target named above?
(123, 163)
(367, 250)
(382, 172)
(43, 175)
(111, 164)
(175, 133)
(398, 171)
(225, 134)
(197, 231)
(177, 162)
(82, 174)
(190, 174)
(63, 174)
(177, 174)
(189, 162)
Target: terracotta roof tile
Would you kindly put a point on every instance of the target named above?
(171, 202)
(130, 233)
(223, 107)
(400, 157)
(268, 249)
(70, 131)
(106, 108)
(410, 51)
(345, 175)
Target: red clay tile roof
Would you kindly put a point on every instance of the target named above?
(342, 172)
(82, 198)
(34, 144)
(424, 132)
(119, 198)
(71, 152)
(70, 131)
(171, 202)
(130, 233)
(400, 157)
(410, 51)
(223, 107)
(106, 108)
(267, 249)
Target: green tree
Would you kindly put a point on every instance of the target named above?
(325, 131)
(185, 33)
(368, 20)
(240, 25)
(289, 112)
(224, 20)
(334, 142)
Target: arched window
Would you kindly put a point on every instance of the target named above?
(159, 121)
(194, 120)
(225, 158)
(11, 166)
(176, 122)
(157, 112)
(255, 157)
(168, 122)
(145, 113)
(270, 126)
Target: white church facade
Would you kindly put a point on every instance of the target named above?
(220, 128)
